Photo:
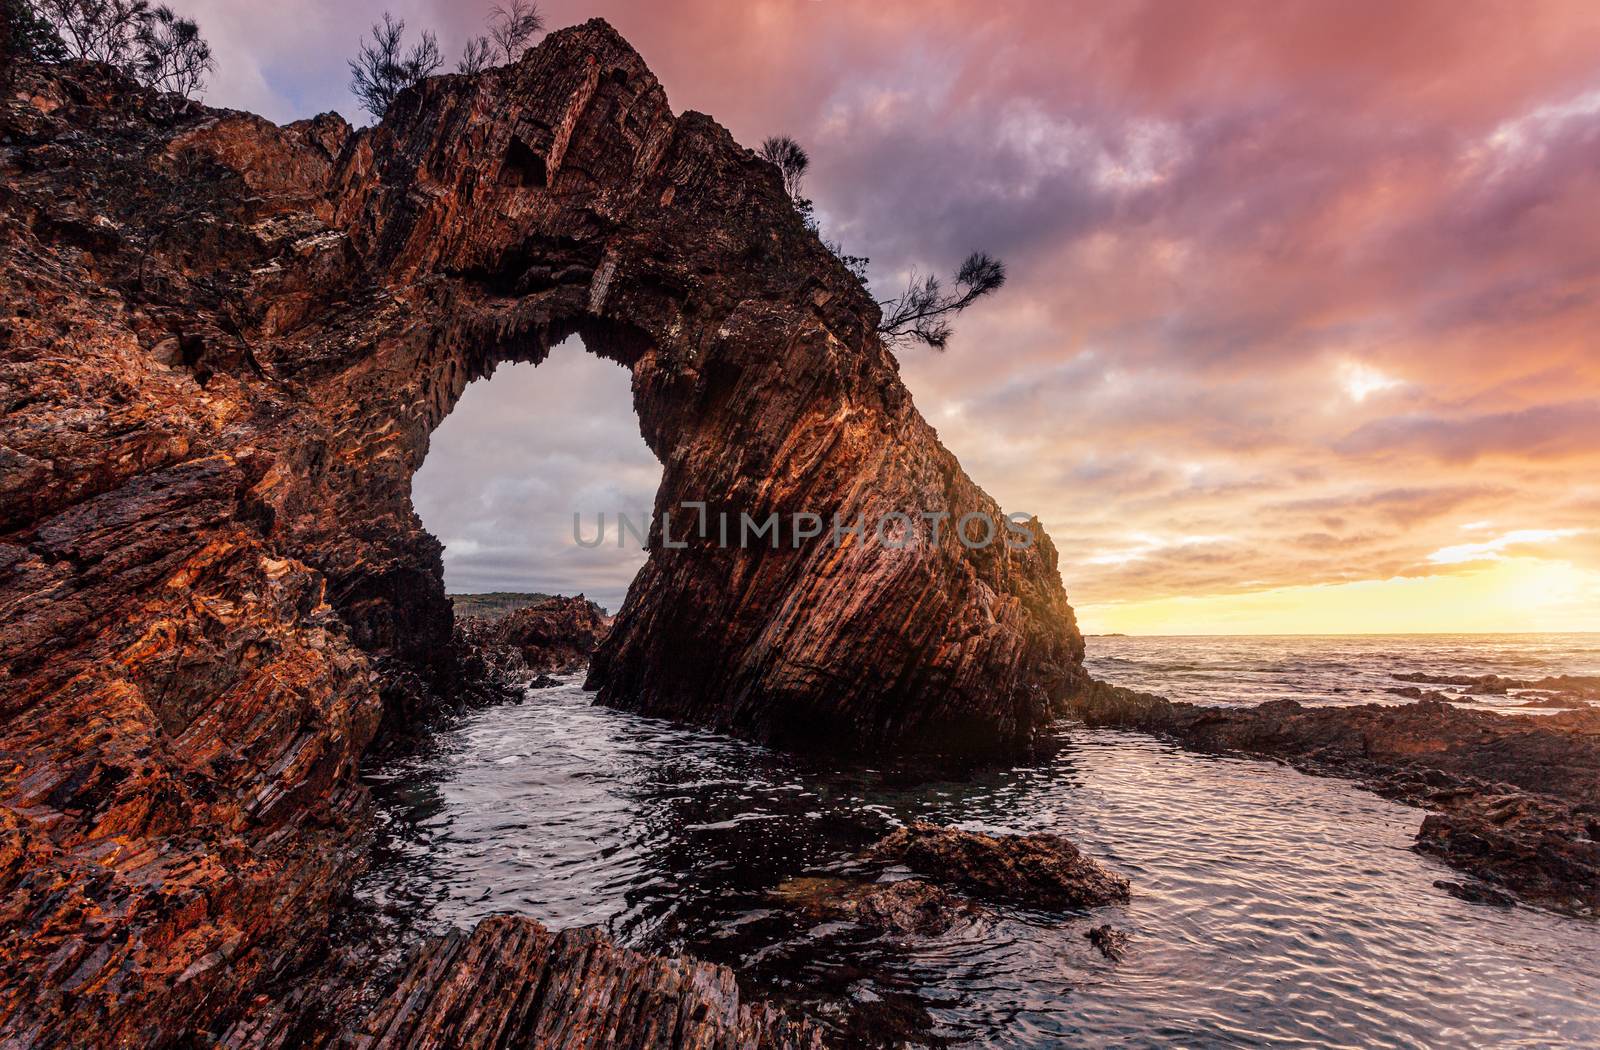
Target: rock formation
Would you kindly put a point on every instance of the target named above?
(223, 346)
(555, 636)
(903, 907)
(1109, 941)
(1514, 801)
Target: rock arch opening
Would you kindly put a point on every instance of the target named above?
(521, 453)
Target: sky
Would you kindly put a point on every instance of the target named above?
(1300, 332)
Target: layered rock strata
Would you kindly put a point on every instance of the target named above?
(512, 982)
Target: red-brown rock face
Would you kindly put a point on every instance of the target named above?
(223, 345)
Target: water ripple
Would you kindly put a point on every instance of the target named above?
(1270, 908)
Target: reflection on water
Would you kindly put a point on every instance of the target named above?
(1269, 907)
(1337, 669)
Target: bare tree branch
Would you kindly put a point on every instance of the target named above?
(477, 56)
(174, 56)
(152, 44)
(512, 29)
(98, 30)
(383, 67)
(923, 311)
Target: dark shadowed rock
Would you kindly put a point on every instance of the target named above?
(1411, 692)
(511, 982)
(1041, 870)
(1514, 801)
(1476, 893)
(1577, 690)
(910, 906)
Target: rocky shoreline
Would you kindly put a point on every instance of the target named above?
(1513, 801)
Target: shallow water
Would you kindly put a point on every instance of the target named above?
(1269, 907)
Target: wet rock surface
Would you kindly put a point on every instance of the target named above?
(554, 636)
(1514, 801)
(1109, 941)
(910, 906)
(1040, 871)
(906, 906)
(1568, 691)
(223, 345)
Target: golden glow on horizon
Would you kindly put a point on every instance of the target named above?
(1514, 595)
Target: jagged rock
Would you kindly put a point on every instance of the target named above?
(1040, 870)
(557, 635)
(512, 982)
(1514, 801)
(223, 345)
(910, 906)
(1109, 941)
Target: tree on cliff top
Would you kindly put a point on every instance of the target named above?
(27, 35)
(792, 161)
(383, 67)
(513, 29)
(920, 314)
(511, 32)
(97, 30)
(153, 45)
(172, 55)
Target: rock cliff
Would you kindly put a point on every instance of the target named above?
(223, 347)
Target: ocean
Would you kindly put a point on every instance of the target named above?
(1334, 669)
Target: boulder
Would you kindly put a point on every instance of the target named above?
(1040, 870)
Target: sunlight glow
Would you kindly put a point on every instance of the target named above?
(1509, 596)
(1360, 381)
